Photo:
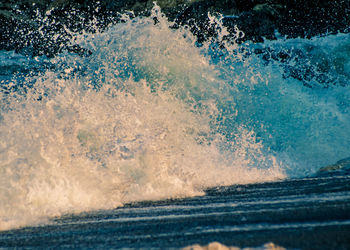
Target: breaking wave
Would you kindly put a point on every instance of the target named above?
(151, 115)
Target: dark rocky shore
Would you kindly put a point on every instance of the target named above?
(29, 26)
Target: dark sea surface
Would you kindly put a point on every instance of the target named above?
(309, 213)
(153, 140)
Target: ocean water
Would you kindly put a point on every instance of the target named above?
(154, 140)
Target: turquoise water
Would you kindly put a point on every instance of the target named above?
(152, 115)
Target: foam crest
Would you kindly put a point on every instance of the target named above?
(134, 121)
(78, 150)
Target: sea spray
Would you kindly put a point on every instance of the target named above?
(150, 115)
(134, 121)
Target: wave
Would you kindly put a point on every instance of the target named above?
(150, 114)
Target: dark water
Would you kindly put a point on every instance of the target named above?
(154, 140)
(310, 213)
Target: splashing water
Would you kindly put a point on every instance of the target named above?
(150, 115)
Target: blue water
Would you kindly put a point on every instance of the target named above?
(151, 115)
